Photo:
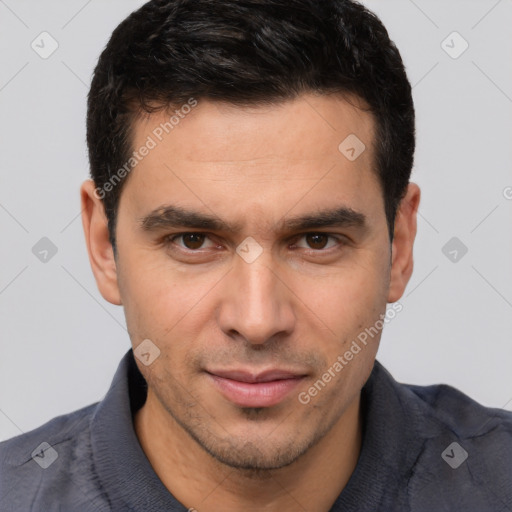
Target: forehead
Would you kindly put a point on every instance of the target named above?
(315, 146)
(300, 129)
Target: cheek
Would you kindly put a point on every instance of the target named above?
(164, 304)
(350, 297)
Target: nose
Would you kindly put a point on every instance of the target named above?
(257, 304)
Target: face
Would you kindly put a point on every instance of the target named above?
(252, 252)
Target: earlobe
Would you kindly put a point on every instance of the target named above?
(403, 242)
(99, 248)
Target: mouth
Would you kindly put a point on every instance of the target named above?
(246, 389)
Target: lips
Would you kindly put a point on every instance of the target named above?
(242, 376)
(246, 389)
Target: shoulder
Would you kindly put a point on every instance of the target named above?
(460, 412)
(52, 460)
(61, 431)
(465, 458)
(443, 407)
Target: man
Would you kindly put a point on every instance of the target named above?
(250, 207)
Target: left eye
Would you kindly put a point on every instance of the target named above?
(318, 241)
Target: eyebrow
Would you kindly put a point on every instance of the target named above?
(171, 216)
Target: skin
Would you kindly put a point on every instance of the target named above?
(298, 306)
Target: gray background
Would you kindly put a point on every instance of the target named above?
(60, 342)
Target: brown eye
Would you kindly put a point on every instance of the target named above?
(193, 240)
(317, 240)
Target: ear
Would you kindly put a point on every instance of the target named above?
(101, 253)
(403, 241)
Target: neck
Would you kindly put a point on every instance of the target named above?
(197, 480)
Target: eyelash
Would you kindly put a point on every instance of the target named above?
(341, 241)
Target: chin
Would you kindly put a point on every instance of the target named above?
(251, 452)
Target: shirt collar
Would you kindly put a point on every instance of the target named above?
(126, 474)
(393, 438)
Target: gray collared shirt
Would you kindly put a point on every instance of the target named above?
(425, 449)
